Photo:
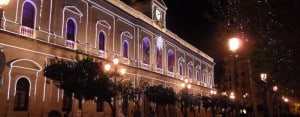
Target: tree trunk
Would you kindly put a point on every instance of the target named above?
(157, 109)
(80, 103)
(164, 111)
(199, 110)
(113, 109)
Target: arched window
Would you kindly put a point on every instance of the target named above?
(190, 70)
(102, 41)
(197, 74)
(146, 50)
(159, 49)
(125, 49)
(170, 60)
(204, 78)
(22, 95)
(180, 66)
(71, 30)
(67, 101)
(159, 58)
(209, 81)
(28, 16)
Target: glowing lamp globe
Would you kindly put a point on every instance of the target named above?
(234, 44)
(3, 3)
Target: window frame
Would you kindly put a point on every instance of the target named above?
(20, 93)
(171, 60)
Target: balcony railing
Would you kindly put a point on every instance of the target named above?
(70, 44)
(26, 31)
(101, 53)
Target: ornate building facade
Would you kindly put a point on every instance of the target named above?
(35, 31)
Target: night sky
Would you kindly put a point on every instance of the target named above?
(194, 21)
(191, 21)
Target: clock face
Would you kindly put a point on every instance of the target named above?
(158, 14)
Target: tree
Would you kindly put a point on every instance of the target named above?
(161, 96)
(206, 102)
(185, 100)
(84, 79)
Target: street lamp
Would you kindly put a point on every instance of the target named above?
(285, 99)
(234, 44)
(275, 88)
(213, 92)
(186, 84)
(2, 4)
(232, 96)
(263, 77)
(115, 73)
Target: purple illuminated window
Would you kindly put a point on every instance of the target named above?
(180, 67)
(28, 16)
(146, 50)
(170, 60)
(22, 94)
(159, 57)
(125, 49)
(197, 74)
(102, 41)
(71, 29)
(190, 71)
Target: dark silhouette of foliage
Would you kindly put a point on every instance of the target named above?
(185, 100)
(83, 78)
(206, 102)
(161, 96)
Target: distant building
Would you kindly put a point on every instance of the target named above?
(33, 32)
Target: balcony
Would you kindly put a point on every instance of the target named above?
(26, 31)
(101, 53)
(70, 44)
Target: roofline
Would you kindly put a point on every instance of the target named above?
(141, 16)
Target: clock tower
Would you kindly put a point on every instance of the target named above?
(154, 9)
(159, 12)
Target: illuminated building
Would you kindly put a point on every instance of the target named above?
(34, 32)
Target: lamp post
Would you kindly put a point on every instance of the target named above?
(115, 73)
(2, 4)
(234, 45)
(267, 87)
(215, 104)
(186, 86)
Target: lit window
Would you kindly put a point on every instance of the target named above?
(197, 74)
(170, 60)
(190, 70)
(22, 95)
(146, 50)
(28, 19)
(159, 57)
(102, 41)
(71, 29)
(204, 78)
(125, 49)
(28, 16)
(159, 48)
(180, 66)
